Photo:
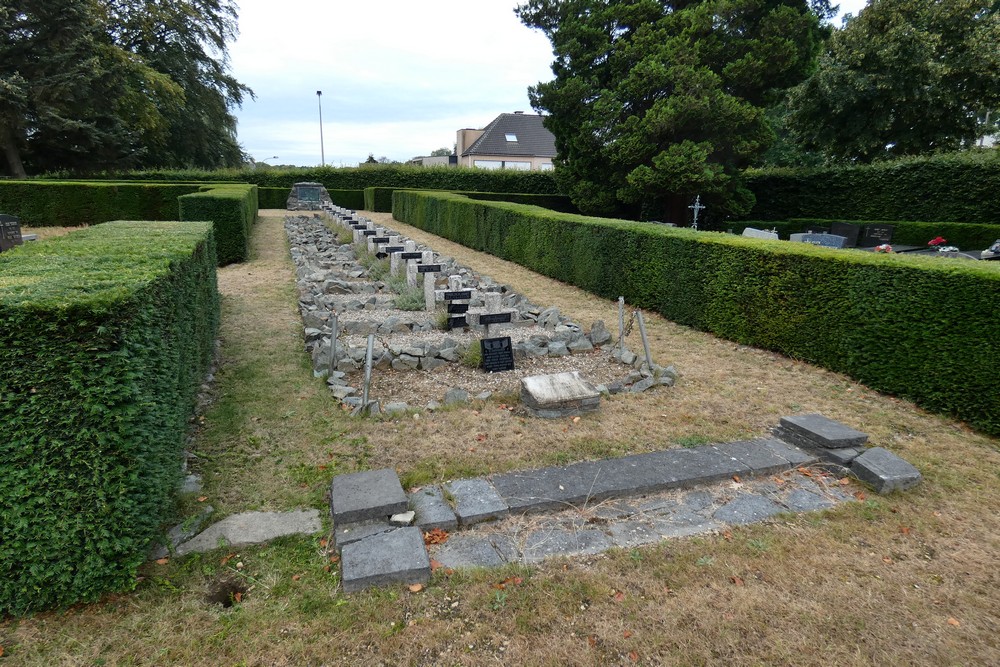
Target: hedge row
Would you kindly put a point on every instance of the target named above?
(232, 209)
(379, 199)
(962, 187)
(920, 327)
(105, 336)
(278, 198)
(63, 203)
(967, 236)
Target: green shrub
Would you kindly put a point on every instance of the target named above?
(919, 327)
(278, 198)
(105, 336)
(379, 199)
(232, 209)
(961, 187)
(274, 197)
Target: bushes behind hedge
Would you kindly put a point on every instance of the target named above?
(379, 199)
(58, 204)
(960, 186)
(919, 327)
(967, 236)
(232, 209)
(105, 336)
(278, 198)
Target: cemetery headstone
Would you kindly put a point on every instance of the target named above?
(752, 233)
(10, 232)
(993, 252)
(498, 353)
(876, 235)
(816, 229)
(307, 196)
(848, 231)
(825, 240)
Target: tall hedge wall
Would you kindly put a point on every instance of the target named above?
(920, 327)
(278, 198)
(105, 336)
(59, 204)
(380, 199)
(962, 187)
(232, 209)
(967, 236)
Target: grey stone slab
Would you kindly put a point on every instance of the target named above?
(842, 456)
(760, 459)
(818, 431)
(801, 500)
(475, 551)
(361, 496)
(433, 511)
(698, 500)
(627, 534)
(795, 456)
(747, 508)
(885, 471)
(182, 533)
(549, 542)
(613, 510)
(476, 500)
(252, 528)
(667, 529)
(556, 390)
(354, 532)
(398, 556)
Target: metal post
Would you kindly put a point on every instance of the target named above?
(368, 371)
(322, 152)
(645, 341)
(333, 344)
(621, 324)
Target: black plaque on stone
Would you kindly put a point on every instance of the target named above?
(876, 235)
(457, 308)
(369, 232)
(494, 318)
(308, 193)
(393, 248)
(458, 322)
(428, 268)
(380, 239)
(457, 296)
(358, 225)
(498, 354)
(10, 232)
(381, 255)
(411, 255)
(848, 231)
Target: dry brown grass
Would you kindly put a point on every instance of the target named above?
(900, 580)
(50, 232)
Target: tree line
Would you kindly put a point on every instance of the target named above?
(655, 101)
(95, 85)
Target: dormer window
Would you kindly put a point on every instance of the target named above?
(511, 136)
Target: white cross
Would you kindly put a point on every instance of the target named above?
(697, 207)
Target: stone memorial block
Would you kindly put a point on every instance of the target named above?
(559, 395)
(876, 235)
(825, 240)
(10, 232)
(307, 196)
(498, 354)
(799, 238)
(752, 233)
(848, 231)
(816, 229)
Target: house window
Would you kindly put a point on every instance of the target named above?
(517, 166)
(545, 166)
(488, 164)
(511, 136)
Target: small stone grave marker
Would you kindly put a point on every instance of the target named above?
(10, 232)
(848, 231)
(752, 233)
(825, 240)
(498, 354)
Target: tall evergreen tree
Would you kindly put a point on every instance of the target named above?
(655, 101)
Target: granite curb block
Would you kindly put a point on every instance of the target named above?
(394, 557)
(361, 496)
(885, 471)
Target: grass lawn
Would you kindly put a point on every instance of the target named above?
(902, 579)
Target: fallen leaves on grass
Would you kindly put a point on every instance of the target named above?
(296, 577)
(860, 495)
(905, 530)
(509, 581)
(237, 597)
(954, 621)
(806, 472)
(844, 481)
(481, 437)
(736, 478)
(592, 640)
(435, 536)
(225, 559)
(202, 499)
(727, 535)
(435, 565)
(162, 561)
(736, 580)
(633, 656)
(627, 634)
(618, 596)
(416, 588)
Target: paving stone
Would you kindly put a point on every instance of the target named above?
(667, 529)
(698, 500)
(801, 500)
(659, 505)
(182, 532)
(360, 496)
(814, 430)
(398, 556)
(795, 456)
(433, 511)
(476, 500)
(354, 532)
(633, 533)
(885, 471)
(842, 456)
(747, 508)
(613, 510)
(252, 528)
(474, 551)
(762, 457)
(549, 542)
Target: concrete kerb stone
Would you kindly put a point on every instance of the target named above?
(433, 511)
(396, 556)
(476, 500)
(885, 471)
(362, 496)
(814, 430)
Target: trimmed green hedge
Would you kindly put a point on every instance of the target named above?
(920, 327)
(380, 199)
(232, 209)
(105, 336)
(967, 236)
(964, 187)
(278, 198)
(57, 204)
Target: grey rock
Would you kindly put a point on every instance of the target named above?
(814, 430)
(397, 556)
(252, 528)
(182, 532)
(642, 385)
(395, 407)
(414, 351)
(801, 500)
(628, 357)
(361, 496)
(405, 362)
(456, 395)
(342, 392)
(475, 501)
(885, 471)
(841, 457)
(580, 344)
(449, 354)
(557, 348)
(432, 510)
(462, 551)
(747, 508)
(190, 484)
(403, 518)
(484, 395)
(430, 363)
(548, 542)
(347, 365)
(599, 334)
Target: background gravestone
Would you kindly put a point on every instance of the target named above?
(308, 196)
(824, 240)
(10, 232)
(848, 231)
(498, 354)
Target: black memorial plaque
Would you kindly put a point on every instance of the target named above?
(309, 193)
(380, 239)
(428, 268)
(381, 255)
(457, 322)
(369, 232)
(458, 296)
(457, 308)
(498, 354)
(494, 318)
(411, 255)
(848, 231)
(876, 235)
(393, 248)
(10, 232)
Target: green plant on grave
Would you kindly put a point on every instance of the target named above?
(344, 235)
(377, 268)
(410, 298)
(473, 357)
(441, 320)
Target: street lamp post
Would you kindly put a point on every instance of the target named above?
(322, 153)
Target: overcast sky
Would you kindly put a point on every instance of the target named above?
(398, 77)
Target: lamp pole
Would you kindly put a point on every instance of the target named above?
(322, 153)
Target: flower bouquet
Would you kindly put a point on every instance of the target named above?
(938, 243)
(885, 247)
